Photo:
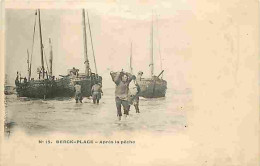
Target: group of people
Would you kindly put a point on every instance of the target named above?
(126, 92)
(96, 92)
(19, 79)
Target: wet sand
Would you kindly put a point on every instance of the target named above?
(43, 117)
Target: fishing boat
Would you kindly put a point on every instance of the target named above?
(154, 86)
(47, 86)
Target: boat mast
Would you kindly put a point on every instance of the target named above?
(41, 45)
(92, 46)
(28, 62)
(159, 43)
(51, 57)
(30, 69)
(85, 43)
(151, 58)
(131, 68)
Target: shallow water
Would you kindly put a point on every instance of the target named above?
(43, 117)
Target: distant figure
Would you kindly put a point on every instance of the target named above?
(96, 92)
(16, 81)
(75, 71)
(134, 90)
(122, 81)
(39, 71)
(100, 79)
(25, 80)
(17, 75)
(17, 78)
(139, 75)
(78, 96)
(97, 76)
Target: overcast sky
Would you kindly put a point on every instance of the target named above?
(113, 30)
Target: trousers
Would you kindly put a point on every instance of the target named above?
(125, 105)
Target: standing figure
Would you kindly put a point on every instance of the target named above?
(78, 96)
(40, 73)
(122, 81)
(75, 71)
(139, 75)
(25, 80)
(96, 91)
(134, 90)
(17, 79)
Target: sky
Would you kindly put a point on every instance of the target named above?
(113, 30)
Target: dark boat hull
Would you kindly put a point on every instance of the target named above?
(152, 88)
(54, 88)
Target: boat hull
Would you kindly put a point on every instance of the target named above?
(152, 88)
(54, 88)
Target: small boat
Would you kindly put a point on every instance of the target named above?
(9, 90)
(154, 86)
(47, 86)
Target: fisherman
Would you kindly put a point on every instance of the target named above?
(139, 75)
(96, 92)
(17, 79)
(78, 96)
(100, 79)
(122, 81)
(75, 71)
(134, 91)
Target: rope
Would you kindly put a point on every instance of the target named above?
(45, 60)
(92, 45)
(159, 43)
(32, 43)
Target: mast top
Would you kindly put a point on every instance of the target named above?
(151, 65)
(41, 45)
(87, 69)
